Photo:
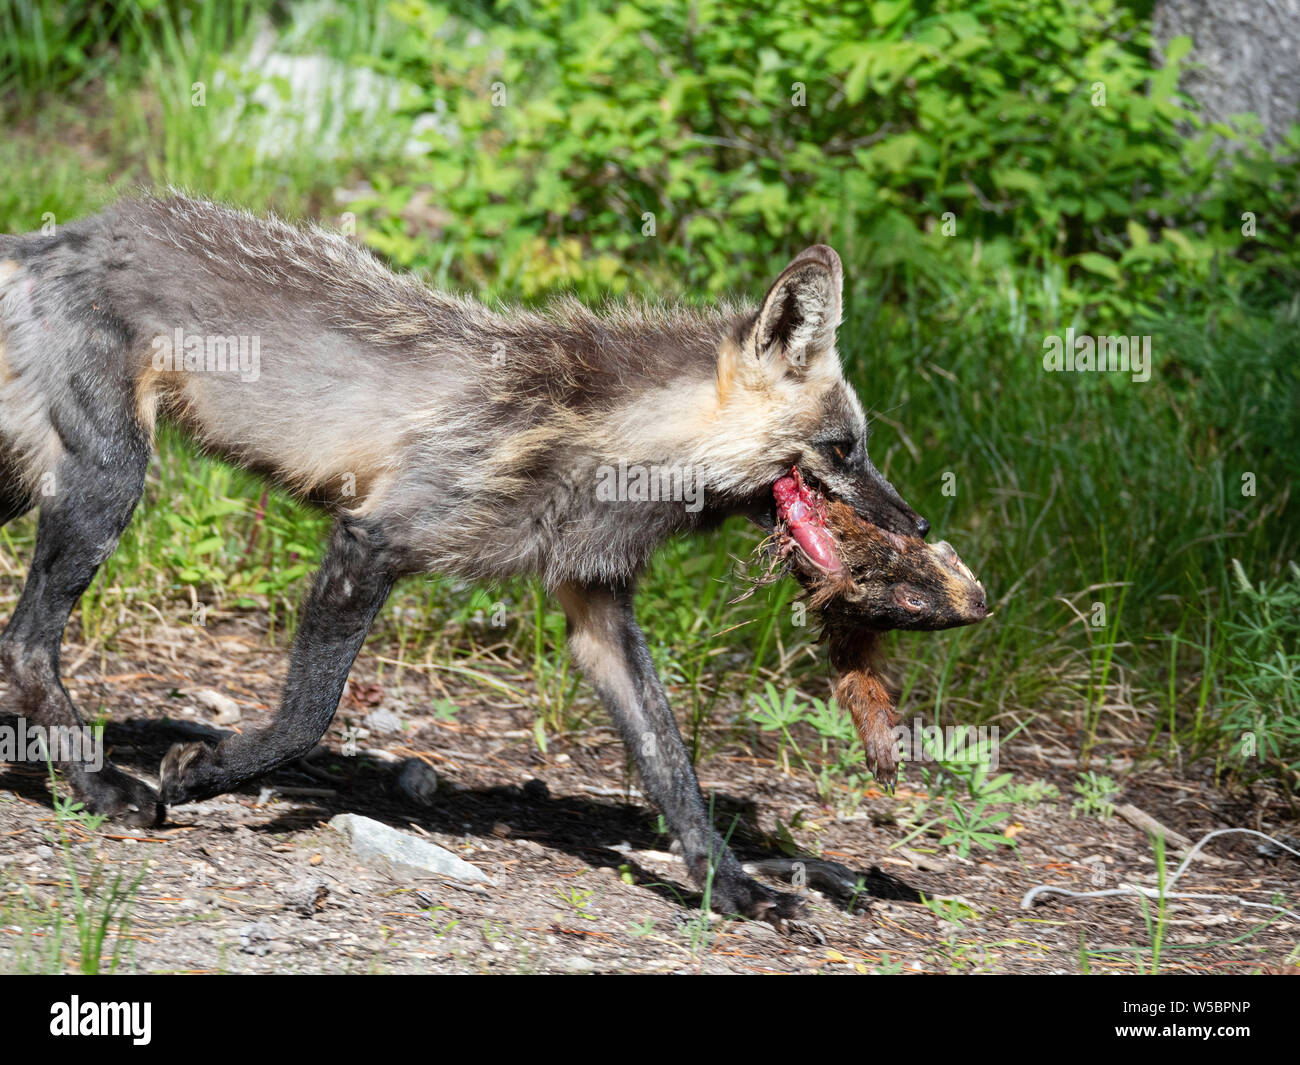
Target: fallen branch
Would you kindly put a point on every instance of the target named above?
(1142, 820)
(1137, 891)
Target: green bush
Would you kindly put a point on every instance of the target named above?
(951, 140)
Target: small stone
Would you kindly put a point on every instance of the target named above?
(501, 830)
(256, 938)
(224, 710)
(383, 721)
(306, 895)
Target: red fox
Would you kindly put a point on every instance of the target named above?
(441, 435)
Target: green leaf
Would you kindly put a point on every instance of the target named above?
(1099, 264)
(1177, 48)
(1179, 241)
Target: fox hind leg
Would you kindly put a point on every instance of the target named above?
(353, 582)
(97, 487)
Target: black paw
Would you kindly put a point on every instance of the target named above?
(180, 775)
(738, 893)
(121, 797)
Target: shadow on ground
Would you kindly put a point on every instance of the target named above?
(596, 832)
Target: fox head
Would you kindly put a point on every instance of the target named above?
(783, 402)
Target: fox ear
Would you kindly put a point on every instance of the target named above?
(801, 311)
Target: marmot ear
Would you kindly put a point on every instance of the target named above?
(801, 311)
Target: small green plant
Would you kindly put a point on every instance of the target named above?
(102, 907)
(1095, 793)
(774, 712)
(957, 955)
(1157, 922)
(640, 929)
(953, 911)
(841, 754)
(1032, 793)
(578, 901)
(888, 966)
(447, 926)
(68, 811)
(699, 928)
(974, 827)
(972, 819)
(1260, 722)
(1147, 957)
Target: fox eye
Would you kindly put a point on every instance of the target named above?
(839, 450)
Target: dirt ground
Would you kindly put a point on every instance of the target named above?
(581, 880)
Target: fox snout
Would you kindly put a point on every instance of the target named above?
(875, 500)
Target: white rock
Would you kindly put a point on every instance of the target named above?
(373, 841)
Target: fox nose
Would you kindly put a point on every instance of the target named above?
(922, 527)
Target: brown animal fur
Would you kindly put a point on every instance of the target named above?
(887, 582)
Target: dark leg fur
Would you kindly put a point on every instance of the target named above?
(97, 488)
(352, 584)
(610, 647)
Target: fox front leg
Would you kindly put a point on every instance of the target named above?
(611, 649)
(352, 584)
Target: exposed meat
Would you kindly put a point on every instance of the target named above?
(803, 512)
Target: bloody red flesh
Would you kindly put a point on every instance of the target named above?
(804, 514)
